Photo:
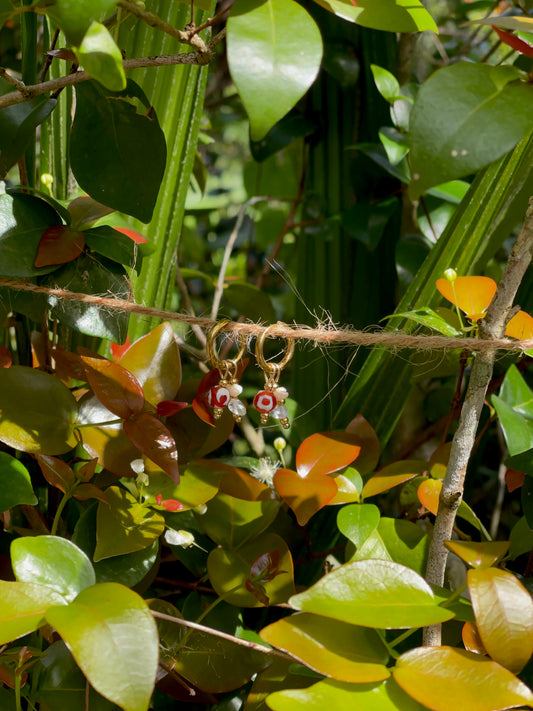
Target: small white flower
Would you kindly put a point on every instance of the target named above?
(137, 465)
(179, 538)
(265, 470)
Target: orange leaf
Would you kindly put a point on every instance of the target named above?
(515, 42)
(513, 479)
(428, 494)
(68, 364)
(154, 440)
(56, 472)
(6, 358)
(135, 236)
(472, 294)
(304, 495)
(115, 387)
(326, 452)
(520, 326)
(59, 244)
(367, 438)
(117, 351)
(471, 639)
(478, 554)
(392, 475)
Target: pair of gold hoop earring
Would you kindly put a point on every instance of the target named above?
(270, 401)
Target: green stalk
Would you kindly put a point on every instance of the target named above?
(28, 27)
(57, 518)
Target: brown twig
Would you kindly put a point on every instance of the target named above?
(212, 20)
(491, 327)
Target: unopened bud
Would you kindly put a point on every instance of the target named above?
(279, 444)
(450, 275)
(47, 180)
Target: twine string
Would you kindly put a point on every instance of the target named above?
(320, 335)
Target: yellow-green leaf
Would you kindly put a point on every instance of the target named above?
(478, 555)
(23, 607)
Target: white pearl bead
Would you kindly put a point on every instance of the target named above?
(235, 389)
(281, 393)
(236, 407)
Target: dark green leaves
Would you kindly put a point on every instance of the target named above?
(15, 483)
(118, 151)
(445, 136)
(274, 54)
(101, 58)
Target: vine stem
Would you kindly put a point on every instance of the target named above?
(492, 326)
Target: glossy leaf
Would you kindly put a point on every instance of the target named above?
(23, 607)
(75, 18)
(349, 487)
(367, 439)
(274, 54)
(130, 182)
(27, 422)
(471, 294)
(111, 243)
(513, 41)
(17, 126)
(392, 475)
(384, 696)
(518, 23)
(230, 522)
(428, 494)
(373, 593)
(405, 542)
(451, 105)
(84, 212)
(116, 388)
(101, 58)
(154, 440)
(336, 649)
(125, 526)
(58, 245)
(326, 452)
(23, 219)
(102, 629)
(389, 15)
(478, 555)
(52, 561)
(520, 326)
(517, 430)
(15, 484)
(358, 522)
(230, 570)
(238, 483)
(471, 639)
(442, 678)
(198, 483)
(154, 360)
(504, 616)
(304, 495)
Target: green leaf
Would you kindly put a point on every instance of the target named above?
(517, 430)
(88, 275)
(338, 650)
(17, 127)
(106, 126)
(427, 317)
(443, 678)
(504, 616)
(357, 522)
(452, 104)
(329, 694)
(386, 83)
(521, 538)
(229, 521)
(15, 483)
(52, 561)
(518, 23)
(406, 543)
(75, 18)
(101, 58)
(250, 301)
(198, 484)
(274, 54)
(389, 15)
(23, 219)
(516, 392)
(27, 422)
(23, 607)
(125, 525)
(114, 245)
(373, 593)
(112, 635)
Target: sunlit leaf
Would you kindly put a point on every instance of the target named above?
(504, 616)
(230, 522)
(23, 607)
(304, 495)
(59, 244)
(520, 326)
(367, 439)
(198, 483)
(392, 475)
(15, 483)
(153, 439)
(471, 639)
(443, 678)
(389, 15)
(101, 58)
(478, 555)
(428, 494)
(373, 593)
(471, 294)
(358, 522)
(116, 388)
(326, 452)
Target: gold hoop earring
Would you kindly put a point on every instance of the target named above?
(226, 393)
(270, 401)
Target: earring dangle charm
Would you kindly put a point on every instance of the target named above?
(270, 401)
(226, 393)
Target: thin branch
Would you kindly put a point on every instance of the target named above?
(17, 83)
(212, 20)
(272, 651)
(492, 326)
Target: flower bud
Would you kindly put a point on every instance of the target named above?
(450, 275)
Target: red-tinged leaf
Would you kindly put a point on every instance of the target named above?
(135, 236)
(392, 475)
(368, 440)
(154, 440)
(428, 494)
(304, 495)
(115, 387)
(504, 616)
(266, 567)
(117, 351)
(241, 485)
(514, 42)
(89, 491)
(167, 408)
(56, 472)
(199, 404)
(172, 505)
(472, 294)
(258, 591)
(68, 364)
(63, 53)
(86, 472)
(6, 358)
(59, 244)
(471, 639)
(520, 326)
(84, 210)
(326, 452)
(514, 480)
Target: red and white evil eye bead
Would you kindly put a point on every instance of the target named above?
(218, 396)
(265, 401)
